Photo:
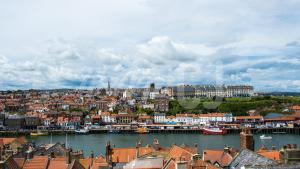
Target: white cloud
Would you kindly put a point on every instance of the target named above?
(137, 42)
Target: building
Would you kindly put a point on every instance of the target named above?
(160, 118)
(32, 122)
(167, 91)
(15, 122)
(126, 118)
(102, 105)
(183, 91)
(161, 104)
(223, 91)
(249, 121)
(219, 158)
(107, 118)
(184, 118)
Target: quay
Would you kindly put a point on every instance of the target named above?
(295, 131)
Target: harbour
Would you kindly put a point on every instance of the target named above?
(96, 142)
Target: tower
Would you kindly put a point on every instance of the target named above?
(152, 87)
(109, 93)
(246, 139)
(108, 85)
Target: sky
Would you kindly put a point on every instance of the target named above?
(84, 43)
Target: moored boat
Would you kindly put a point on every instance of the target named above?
(264, 137)
(113, 131)
(214, 131)
(39, 133)
(82, 131)
(142, 130)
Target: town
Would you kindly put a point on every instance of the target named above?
(184, 108)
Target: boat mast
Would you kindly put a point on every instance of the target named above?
(66, 140)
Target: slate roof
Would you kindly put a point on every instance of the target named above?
(251, 159)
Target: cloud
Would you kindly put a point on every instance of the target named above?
(136, 42)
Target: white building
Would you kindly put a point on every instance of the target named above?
(107, 117)
(185, 118)
(160, 118)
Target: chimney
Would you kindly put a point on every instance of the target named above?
(29, 154)
(226, 149)
(92, 154)
(137, 152)
(107, 152)
(52, 154)
(68, 157)
(246, 139)
(195, 158)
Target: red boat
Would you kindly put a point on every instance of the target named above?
(214, 131)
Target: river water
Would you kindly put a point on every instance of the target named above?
(96, 142)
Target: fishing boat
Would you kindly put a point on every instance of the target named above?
(264, 137)
(142, 130)
(39, 133)
(214, 131)
(85, 130)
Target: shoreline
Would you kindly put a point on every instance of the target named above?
(294, 131)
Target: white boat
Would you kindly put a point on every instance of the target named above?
(263, 137)
(85, 130)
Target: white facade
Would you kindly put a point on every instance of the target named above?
(108, 118)
(185, 119)
(160, 118)
(200, 120)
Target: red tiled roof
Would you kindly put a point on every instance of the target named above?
(4, 141)
(58, 163)
(20, 161)
(37, 162)
(86, 162)
(99, 162)
(178, 153)
(217, 156)
(125, 155)
(273, 154)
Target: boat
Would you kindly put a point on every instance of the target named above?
(39, 133)
(142, 130)
(85, 130)
(214, 131)
(263, 137)
(114, 131)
